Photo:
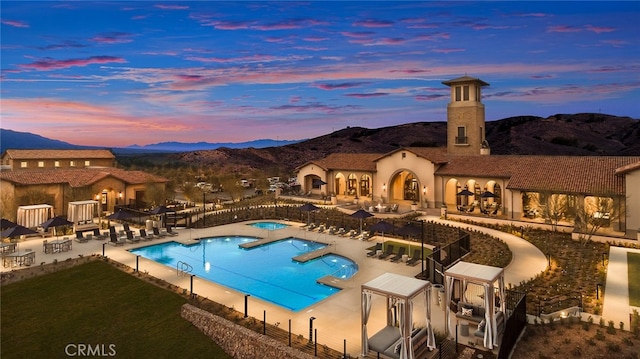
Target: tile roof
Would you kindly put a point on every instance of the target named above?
(562, 174)
(628, 168)
(77, 177)
(347, 161)
(19, 154)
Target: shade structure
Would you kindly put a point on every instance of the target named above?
(410, 230)
(361, 214)
(159, 210)
(383, 226)
(120, 215)
(16, 231)
(309, 207)
(465, 192)
(56, 222)
(318, 182)
(487, 194)
(7, 224)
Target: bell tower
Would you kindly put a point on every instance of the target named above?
(465, 117)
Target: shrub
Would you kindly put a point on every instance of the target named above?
(613, 347)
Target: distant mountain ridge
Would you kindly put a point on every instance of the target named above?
(10, 139)
(199, 146)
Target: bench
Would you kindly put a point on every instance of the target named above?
(559, 314)
(477, 312)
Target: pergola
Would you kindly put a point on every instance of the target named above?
(483, 275)
(399, 291)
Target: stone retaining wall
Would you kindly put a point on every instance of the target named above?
(238, 341)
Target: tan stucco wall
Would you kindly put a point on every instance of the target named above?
(391, 165)
(632, 183)
(313, 170)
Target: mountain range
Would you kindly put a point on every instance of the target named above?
(583, 134)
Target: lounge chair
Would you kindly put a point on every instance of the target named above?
(131, 238)
(80, 237)
(415, 258)
(353, 234)
(364, 236)
(341, 231)
(115, 241)
(170, 231)
(398, 256)
(375, 250)
(332, 230)
(144, 236)
(98, 235)
(321, 229)
(387, 252)
(156, 232)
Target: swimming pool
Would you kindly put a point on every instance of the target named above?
(267, 271)
(271, 226)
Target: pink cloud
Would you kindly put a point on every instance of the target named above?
(448, 50)
(171, 7)
(410, 71)
(432, 97)
(615, 43)
(367, 95)
(373, 23)
(314, 38)
(563, 28)
(113, 38)
(51, 64)
(228, 25)
(542, 77)
(294, 99)
(340, 86)
(600, 29)
(15, 23)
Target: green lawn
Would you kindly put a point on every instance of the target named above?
(97, 304)
(633, 262)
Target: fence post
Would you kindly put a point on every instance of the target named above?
(315, 343)
(289, 332)
(264, 324)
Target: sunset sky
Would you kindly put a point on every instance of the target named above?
(120, 73)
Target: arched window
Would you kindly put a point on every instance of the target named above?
(365, 185)
(352, 185)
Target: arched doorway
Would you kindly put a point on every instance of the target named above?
(365, 186)
(404, 186)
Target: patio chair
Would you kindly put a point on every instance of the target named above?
(131, 238)
(80, 237)
(387, 252)
(156, 232)
(415, 258)
(115, 241)
(170, 232)
(375, 250)
(144, 236)
(98, 235)
(398, 256)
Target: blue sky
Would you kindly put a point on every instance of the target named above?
(120, 73)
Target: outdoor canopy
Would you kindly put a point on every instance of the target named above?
(485, 276)
(400, 290)
(83, 211)
(33, 215)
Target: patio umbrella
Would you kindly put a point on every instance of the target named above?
(487, 194)
(318, 182)
(361, 214)
(7, 224)
(410, 230)
(56, 222)
(16, 231)
(465, 192)
(160, 210)
(120, 215)
(309, 207)
(382, 226)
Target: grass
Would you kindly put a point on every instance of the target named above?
(633, 263)
(97, 304)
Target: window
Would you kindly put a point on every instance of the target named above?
(72, 163)
(352, 184)
(56, 164)
(465, 92)
(87, 163)
(365, 185)
(23, 164)
(40, 164)
(478, 93)
(458, 93)
(404, 154)
(461, 138)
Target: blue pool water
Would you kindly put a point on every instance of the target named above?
(271, 226)
(267, 272)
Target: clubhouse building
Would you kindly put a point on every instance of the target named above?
(464, 178)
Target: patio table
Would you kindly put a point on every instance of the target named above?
(22, 258)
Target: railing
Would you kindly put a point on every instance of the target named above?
(516, 304)
(183, 268)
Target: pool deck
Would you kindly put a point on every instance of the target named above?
(337, 318)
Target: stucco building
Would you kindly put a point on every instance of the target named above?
(465, 178)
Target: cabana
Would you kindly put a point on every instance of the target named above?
(34, 215)
(398, 342)
(465, 273)
(82, 213)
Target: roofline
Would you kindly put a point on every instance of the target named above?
(464, 79)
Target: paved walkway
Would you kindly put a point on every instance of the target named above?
(527, 260)
(616, 300)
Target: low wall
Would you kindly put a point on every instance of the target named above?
(238, 341)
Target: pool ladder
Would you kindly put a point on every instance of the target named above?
(183, 268)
